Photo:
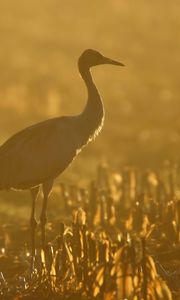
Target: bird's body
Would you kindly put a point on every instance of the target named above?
(39, 153)
(36, 153)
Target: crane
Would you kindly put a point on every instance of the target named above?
(35, 156)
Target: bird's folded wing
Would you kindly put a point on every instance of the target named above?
(38, 152)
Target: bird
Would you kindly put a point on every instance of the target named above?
(32, 158)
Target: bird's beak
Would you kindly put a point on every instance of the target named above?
(110, 61)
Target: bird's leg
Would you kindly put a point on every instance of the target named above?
(47, 187)
(33, 223)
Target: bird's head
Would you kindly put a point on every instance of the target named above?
(90, 58)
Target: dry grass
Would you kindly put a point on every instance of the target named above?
(123, 242)
(131, 211)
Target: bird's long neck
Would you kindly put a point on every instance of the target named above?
(93, 113)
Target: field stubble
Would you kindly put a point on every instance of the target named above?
(122, 241)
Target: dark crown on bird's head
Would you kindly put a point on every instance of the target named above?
(91, 57)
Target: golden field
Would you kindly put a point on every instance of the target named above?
(136, 204)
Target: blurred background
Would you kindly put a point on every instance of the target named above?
(40, 45)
